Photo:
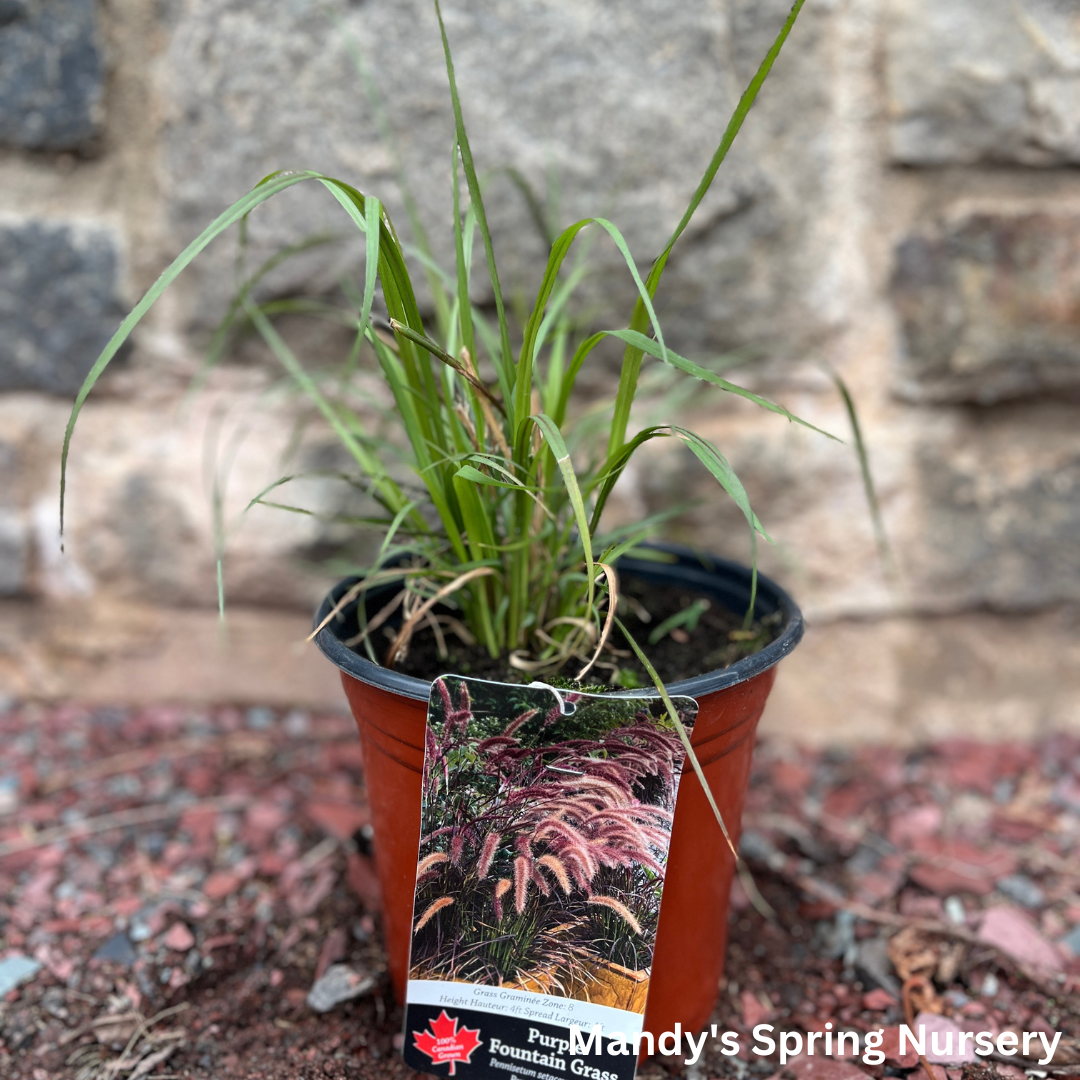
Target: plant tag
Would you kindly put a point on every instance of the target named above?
(545, 827)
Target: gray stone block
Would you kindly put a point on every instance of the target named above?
(624, 107)
(52, 78)
(58, 302)
(984, 80)
(989, 305)
(1001, 505)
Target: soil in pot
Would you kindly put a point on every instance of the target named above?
(714, 640)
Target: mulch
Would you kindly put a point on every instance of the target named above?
(174, 883)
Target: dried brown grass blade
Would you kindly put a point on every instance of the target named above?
(609, 621)
(406, 631)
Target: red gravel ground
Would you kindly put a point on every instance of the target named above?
(183, 878)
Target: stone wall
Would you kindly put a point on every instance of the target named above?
(902, 207)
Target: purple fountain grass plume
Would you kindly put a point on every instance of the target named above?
(457, 719)
(613, 857)
(615, 773)
(441, 831)
(551, 827)
(539, 790)
(632, 812)
(579, 747)
(620, 832)
(461, 717)
(597, 783)
(660, 837)
(580, 868)
(432, 911)
(579, 848)
(620, 909)
(501, 889)
(637, 763)
(429, 861)
(487, 853)
(579, 807)
(509, 759)
(516, 723)
(627, 857)
(486, 745)
(558, 870)
(522, 873)
(457, 846)
(539, 881)
(444, 694)
(640, 824)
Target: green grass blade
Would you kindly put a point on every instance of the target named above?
(632, 357)
(389, 139)
(220, 337)
(559, 250)
(392, 531)
(389, 492)
(613, 469)
(752, 891)
(265, 190)
(372, 216)
(734, 124)
(441, 354)
(470, 472)
(463, 255)
(724, 474)
(553, 437)
(306, 475)
(506, 357)
(718, 465)
(444, 501)
(885, 552)
(651, 347)
(481, 540)
(579, 357)
(401, 305)
(537, 210)
(558, 304)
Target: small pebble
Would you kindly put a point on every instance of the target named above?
(296, 723)
(339, 983)
(9, 794)
(16, 970)
(1023, 890)
(179, 938)
(139, 930)
(1071, 940)
(259, 718)
(118, 950)
(954, 910)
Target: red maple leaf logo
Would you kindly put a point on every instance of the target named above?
(444, 1044)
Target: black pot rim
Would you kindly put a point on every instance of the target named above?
(728, 580)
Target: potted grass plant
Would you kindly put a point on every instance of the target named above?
(494, 546)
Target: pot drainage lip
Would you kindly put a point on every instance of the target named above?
(730, 581)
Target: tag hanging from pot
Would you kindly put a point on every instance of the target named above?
(545, 825)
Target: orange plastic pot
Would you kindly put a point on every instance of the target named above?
(688, 961)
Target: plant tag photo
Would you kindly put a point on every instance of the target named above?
(545, 826)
